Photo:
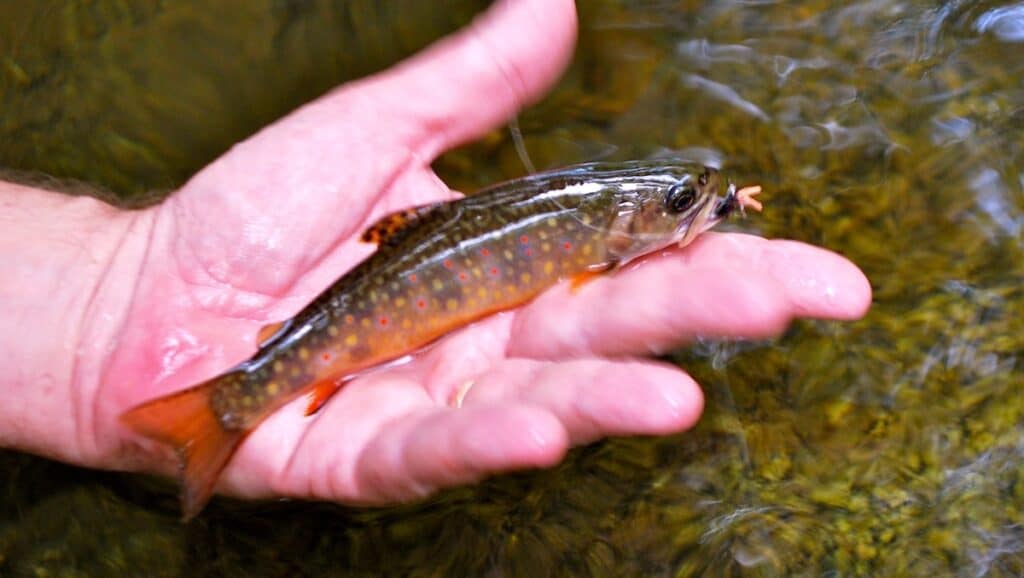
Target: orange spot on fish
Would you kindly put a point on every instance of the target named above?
(567, 246)
(447, 263)
(485, 252)
(494, 271)
(524, 239)
(412, 278)
(463, 277)
(326, 356)
(349, 319)
(421, 304)
(528, 252)
(383, 321)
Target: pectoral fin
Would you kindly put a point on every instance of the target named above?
(583, 277)
(319, 394)
(270, 331)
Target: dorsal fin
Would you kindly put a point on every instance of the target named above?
(389, 226)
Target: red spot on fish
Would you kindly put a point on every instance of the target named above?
(463, 277)
(326, 356)
(528, 252)
(383, 321)
(567, 246)
(421, 304)
(485, 252)
(494, 271)
(412, 277)
(447, 263)
(524, 239)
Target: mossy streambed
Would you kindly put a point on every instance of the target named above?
(888, 131)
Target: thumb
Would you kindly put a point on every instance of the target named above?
(453, 91)
(474, 80)
(279, 201)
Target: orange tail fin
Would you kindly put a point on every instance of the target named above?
(186, 421)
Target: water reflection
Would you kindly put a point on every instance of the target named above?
(992, 195)
(1006, 23)
(724, 93)
(952, 130)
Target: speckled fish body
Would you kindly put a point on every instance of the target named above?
(438, 268)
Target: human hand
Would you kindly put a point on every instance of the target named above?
(262, 230)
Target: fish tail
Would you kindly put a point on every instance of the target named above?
(186, 421)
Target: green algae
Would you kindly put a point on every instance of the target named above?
(889, 132)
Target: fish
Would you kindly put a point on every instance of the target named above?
(437, 268)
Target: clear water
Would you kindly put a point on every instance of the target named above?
(890, 131)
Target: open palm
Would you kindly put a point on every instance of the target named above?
(261, 231)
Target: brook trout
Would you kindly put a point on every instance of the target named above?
(437, 268)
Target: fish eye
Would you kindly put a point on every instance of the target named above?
(680, 197)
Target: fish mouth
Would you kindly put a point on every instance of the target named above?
(728, 204)
(705, 218)
(716, 209)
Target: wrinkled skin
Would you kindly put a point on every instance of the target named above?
(127, 306)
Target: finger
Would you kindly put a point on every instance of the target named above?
(358, 137)
(291, 454)
(818, 283)
(724, 285)
(478, 78)
(451, 364)
(597, 398)
(448, 447)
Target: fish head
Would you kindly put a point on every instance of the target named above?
(672, 207)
